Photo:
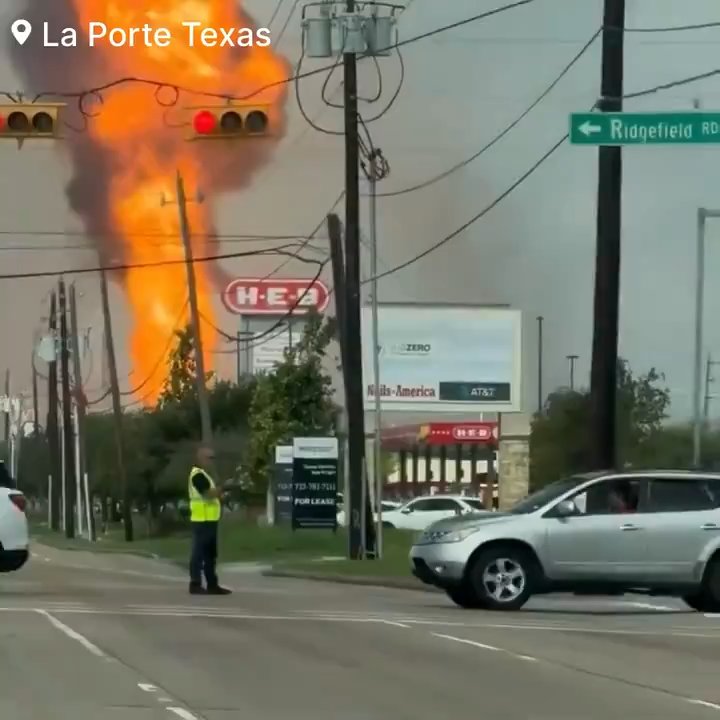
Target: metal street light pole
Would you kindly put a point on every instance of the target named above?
(703, 214)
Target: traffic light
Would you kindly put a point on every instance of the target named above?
(22, 121)
(230, 121)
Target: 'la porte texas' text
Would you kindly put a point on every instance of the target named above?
(194, 34)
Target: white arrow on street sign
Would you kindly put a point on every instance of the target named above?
(587, 128)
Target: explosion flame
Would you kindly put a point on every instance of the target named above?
(125, 164)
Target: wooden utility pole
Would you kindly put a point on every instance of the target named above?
(603, 375)
(203, 399)
(117, 408)
(81, 412)
(52, 429)
(69, 481)
(7, 417)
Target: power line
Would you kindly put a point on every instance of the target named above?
(164, 354)
(477, 217)
(502, 133)
(138, 266)
(82, 95)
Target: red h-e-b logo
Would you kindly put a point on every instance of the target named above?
(274, 296)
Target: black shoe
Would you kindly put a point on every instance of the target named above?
(197, 590)
(217, 590)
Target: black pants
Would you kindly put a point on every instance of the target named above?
(204, 553)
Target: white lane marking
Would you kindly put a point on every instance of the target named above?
(184, 714)
(650, 606)
(393, 623)
(705, 703)
(164, 700)
(483, 646)
(73, 634)
(147, 687)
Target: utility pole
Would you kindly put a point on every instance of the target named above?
(203, 399)
(709, 379)
(81, 413)
(52, 424)
(540, 320)
(36, 420)
(353, 369)
(68, 443)
(7, 417)
(374, 175)
(117, 408)
(572, 359)
(603, 378)
(338, 268)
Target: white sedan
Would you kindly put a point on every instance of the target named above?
(424, 511)
(14, 542)
(387, 506)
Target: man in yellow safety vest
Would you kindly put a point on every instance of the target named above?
(205, 512)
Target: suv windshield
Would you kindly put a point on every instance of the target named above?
(545, 495)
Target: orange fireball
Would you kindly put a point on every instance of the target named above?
(147, 149)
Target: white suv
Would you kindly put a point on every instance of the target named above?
(14, 539)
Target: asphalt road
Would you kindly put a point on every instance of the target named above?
(92, 636)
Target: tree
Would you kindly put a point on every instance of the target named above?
(294, 399)
(180, 382)
(560, 442)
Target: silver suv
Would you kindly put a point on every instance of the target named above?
(652, 532)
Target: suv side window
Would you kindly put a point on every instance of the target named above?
(611, 497)
(443, 504)
(426, 505)
(685, 495)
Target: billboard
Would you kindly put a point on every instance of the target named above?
(455, 359)
(274, 296)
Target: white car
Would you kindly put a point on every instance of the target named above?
(387, 506)
(421, 512)
(14, 536)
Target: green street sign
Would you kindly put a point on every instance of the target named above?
(660, 128)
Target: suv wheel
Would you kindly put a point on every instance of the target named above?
(708, 599)
(502, 577)
(464, 596)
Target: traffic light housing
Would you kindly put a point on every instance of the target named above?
(23, 121)
(230, 122)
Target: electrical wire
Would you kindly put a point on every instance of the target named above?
(163, 357)
(277, 9)
(309, 238)
(278, 323)
(280, 35)
(96, 92)
(475, 218)
(669, 28)
(502, 133)
(137, 266)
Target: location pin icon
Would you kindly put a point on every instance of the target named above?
(21, 30)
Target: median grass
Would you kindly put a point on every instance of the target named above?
(244, 541)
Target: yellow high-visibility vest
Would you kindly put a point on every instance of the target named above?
(202, 509)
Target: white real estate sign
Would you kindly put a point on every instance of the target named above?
(444, 358)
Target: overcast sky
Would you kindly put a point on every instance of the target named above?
(534, 251)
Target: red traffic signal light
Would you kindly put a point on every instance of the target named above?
(20, 121)
(204, 122)
(233, 121)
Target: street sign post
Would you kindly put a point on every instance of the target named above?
(647, 128)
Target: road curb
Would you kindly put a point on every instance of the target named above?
(395, 584)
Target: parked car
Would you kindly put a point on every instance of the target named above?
(387, 506)
(423, 511)
(651, 532)
(14, 540)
